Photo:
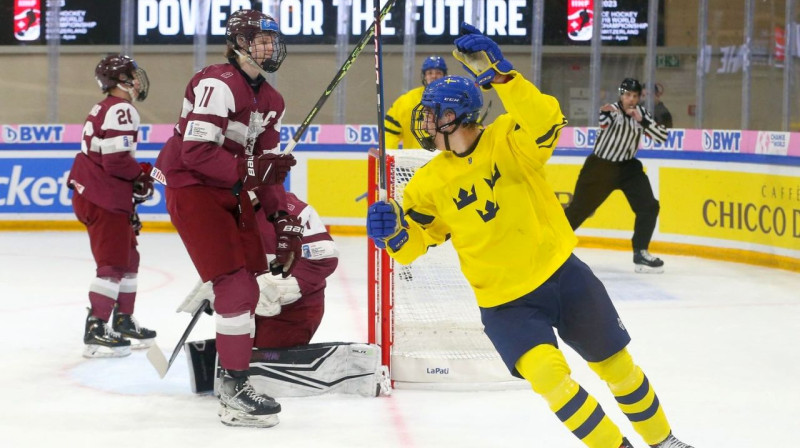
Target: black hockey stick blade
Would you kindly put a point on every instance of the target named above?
(362, 42)
(156, 356)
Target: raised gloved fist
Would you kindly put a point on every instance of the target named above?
(480, 55)
(289, 235)
(143, 184)
(386, 225)
(265, 169)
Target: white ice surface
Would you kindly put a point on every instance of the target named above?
(719, 341)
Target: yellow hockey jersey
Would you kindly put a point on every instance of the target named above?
(505, 221)
(398, 120)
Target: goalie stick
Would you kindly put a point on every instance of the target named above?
(156, 356)
(362, 42)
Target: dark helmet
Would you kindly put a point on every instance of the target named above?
(248, 23)
(630, 85)
(454, 93)
(433, 63)
(116, 69)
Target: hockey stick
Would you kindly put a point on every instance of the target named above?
(382, 185)
(362, 42)
(156, 356)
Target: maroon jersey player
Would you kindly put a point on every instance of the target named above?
(107, 181)
(290, 308)
(226, 144)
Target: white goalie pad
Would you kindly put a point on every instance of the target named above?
(315, 369)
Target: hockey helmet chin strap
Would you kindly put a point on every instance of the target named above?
(249, 59)
(127, 86)
(455, 125)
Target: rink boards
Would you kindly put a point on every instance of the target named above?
(730, 190)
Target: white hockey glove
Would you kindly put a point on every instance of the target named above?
(276, 292)
(202, 291)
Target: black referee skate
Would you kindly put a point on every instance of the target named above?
(129, 327)
(241, 405)
(646, 263)
(103, 342)
(672, 442)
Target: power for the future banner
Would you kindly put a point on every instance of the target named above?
(317, 22)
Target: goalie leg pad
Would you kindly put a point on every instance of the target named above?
(315, 369)
(201, 357)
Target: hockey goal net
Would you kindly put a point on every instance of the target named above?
(424, 316)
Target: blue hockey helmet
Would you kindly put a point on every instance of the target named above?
(455, 94)
(433, 63)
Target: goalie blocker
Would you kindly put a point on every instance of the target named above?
(314, 369)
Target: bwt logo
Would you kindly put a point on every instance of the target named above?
(310, 136)
(361, 134)
(438, 371)
(722, 141)
(144, 133)
(33, 133)
(674, 141)
(585, 138)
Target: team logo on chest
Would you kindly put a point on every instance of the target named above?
(466, 198)
(258, 122)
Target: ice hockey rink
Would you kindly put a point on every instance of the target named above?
(719, 341)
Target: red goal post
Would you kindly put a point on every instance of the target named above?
(424, 316)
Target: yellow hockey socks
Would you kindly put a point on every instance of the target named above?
(635, 396)
(546, 369)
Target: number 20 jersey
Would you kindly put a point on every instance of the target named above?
(104, 170)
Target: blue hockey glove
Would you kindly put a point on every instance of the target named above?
(480, 55)
(386, 225)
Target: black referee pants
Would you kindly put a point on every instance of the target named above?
(598, 178)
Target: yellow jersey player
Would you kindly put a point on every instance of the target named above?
(398, 118)
(486, 191)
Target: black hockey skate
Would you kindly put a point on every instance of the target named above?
(129, 327)
(625, 443)
(672, 442)
(101, 341)
(646, 263)
(241, 405)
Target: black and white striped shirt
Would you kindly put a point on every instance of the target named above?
(620, 134)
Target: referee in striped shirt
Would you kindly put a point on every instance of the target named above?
(613, 165)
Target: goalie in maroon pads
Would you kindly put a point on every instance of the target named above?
(227, 144)
(289, 309)
(106, 181)
(288, 313)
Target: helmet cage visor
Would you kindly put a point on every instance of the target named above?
(419, 127)
(424, 118)
(144, 82)
(242, 32)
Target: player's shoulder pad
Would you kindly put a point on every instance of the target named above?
(120, 116)
(215, 89)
